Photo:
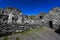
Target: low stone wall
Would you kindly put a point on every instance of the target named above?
(54, 26)
(13, 28)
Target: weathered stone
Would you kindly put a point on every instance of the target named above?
(11, 20)
(54, 16)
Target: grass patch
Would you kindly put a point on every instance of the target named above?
(39, 29)
(25, 32)
(5, 38)
(31, 30)
(17, 38)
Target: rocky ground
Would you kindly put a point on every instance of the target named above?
(42, 33)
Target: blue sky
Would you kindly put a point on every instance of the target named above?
(30, 7)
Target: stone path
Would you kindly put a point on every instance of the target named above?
(39, 34)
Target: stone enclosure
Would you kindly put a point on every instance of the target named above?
(12, 20)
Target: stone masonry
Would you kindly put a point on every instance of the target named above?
(12, 20)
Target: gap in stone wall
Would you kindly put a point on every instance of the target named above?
(50, 24)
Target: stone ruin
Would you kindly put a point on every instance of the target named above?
(52, 19)
(12, 20)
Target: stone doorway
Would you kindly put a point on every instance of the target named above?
(40, 17)
(50, 24)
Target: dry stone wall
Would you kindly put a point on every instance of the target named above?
(12, 20)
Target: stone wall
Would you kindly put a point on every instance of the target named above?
(54, 16)
(15, 21)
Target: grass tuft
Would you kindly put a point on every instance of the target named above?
(31, 30)
(17, 38)
(5, 38)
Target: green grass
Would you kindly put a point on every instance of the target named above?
(17, 38)
(5, 38)
(31, 30)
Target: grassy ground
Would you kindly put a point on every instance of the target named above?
(27, 31)
(41, 33)
(31, 30)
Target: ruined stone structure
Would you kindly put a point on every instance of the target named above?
(12, 20)
(52, 19)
